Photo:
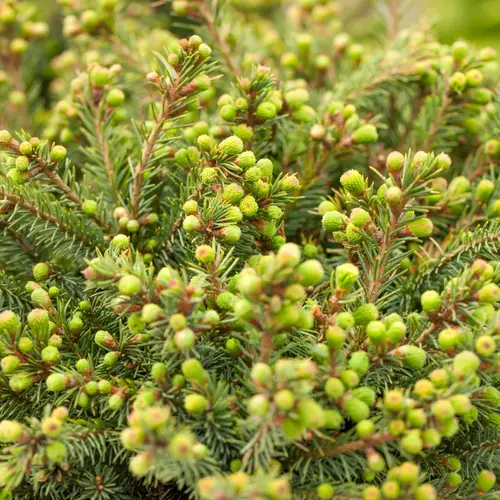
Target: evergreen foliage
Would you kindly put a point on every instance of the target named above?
(252, 263)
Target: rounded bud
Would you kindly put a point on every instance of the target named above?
(290, 183)
(115, 97)
(360, 217)
(132, 437)
(325, 491)
(353, 233)
(51, 426)
(484, 190)
(50, 354)
(393, 196)
(365, 313)
(22, 163)
(359, 362)
(412, 443)
(261, 374)
(492, 147)
(461, 404)
(231, 146)
(310, 272)
(193, 370)
(5, 138)
(55, 382)
(248, 206)
(178, 321)
(345, 320)
(448, 338)
(459, 50)
(151, 313)
(129, 285)
(41, 271)
(10, 364)
(458, 82)
(205, 254)
(116, 402)
(395, 161)
(486, 480)
(485, 345)
(99, 76)
(353, 182)
(442, 410)
(431, 301)
(288, 255)
(465, 363)
(140, 464)
(393, 400)
(489, 293)
(365, 428)
(184, 339)
(82, 365)
(366, 134)
(317, 132)
(258, 405)
(421, 227)
(356, 409)
(191, 224)
(25, 345)
(325, 206)
(335, 337)
(443, 161)
(104, 338)
(195, 404)
(56, 451)
(58, 154)
(89, 207)
(376, 332)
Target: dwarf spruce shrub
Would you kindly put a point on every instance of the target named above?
(262, 266)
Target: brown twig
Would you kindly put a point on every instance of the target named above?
(58, 182)
(147, 151)
(30, 207)
(353, 446)
(426, 334)
(42, 167)
(266, 347)
(439, 117)
(446, 257)
(104, 149)
(376, 281)
(224, 48)
(393, 21)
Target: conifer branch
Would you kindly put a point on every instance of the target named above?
(34, 210)
(104, 149)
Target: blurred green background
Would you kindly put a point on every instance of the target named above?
(477, 21)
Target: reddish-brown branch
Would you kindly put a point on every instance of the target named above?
(44, 168)
(266, 347)
(224, 48)
(353, 446)
(393, 21)
(30, 207)
(439, 117)
(147, 151)
(104, 149)
(376, 281)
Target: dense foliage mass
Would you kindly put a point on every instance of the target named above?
(258, 262)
